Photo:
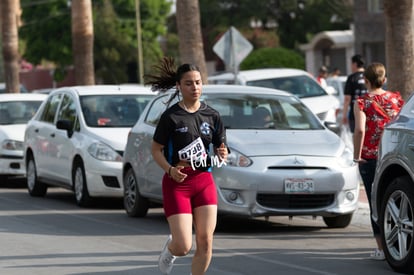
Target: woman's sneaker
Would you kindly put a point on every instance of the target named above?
(166, 259)
(378, 255)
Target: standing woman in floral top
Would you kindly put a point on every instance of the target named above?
(372, 112)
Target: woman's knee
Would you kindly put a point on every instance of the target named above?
(181, 248)
(204, 242)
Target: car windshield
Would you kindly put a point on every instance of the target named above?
(113, 110)
(242, 111)
(17, 112)
(302, 86)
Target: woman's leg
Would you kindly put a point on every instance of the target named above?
(181, 227)
(205, 220)
(367, 172)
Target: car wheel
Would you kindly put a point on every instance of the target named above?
(35, 187)
(341, 221)
(134, 204)
(396, 224)
(80, 186)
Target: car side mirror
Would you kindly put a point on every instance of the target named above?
(64, 124)
(333, 126)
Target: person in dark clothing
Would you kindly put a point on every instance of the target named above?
(354, 88)
(181, 141)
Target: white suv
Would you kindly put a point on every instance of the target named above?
(294, 81)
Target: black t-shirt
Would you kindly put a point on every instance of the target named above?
(183, 134)
(355, 87)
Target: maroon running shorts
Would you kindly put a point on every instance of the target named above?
(196, 190)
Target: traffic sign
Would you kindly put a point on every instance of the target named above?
(232, 48)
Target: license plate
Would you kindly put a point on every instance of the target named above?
(296, 186)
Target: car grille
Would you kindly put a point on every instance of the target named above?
(296, 201)
(111, 181)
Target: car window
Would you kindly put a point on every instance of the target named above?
(113, 110)
(17, 112)
(156, 110)
(49, 111)
(67, 110)
(302, 86)
(262, 112)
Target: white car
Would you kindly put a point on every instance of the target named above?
(77, 138)
(15, 111)
(294, 81)
(283, 161)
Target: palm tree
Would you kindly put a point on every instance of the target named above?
(82, 41)
(189, 34)
(399, 45)
(10, 37)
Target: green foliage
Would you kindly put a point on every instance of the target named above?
(273, 58)
(296, 20)
(46, 31)
(109, 42)
(316, 15)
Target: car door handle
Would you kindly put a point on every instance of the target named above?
(52, 135)
(36, 130)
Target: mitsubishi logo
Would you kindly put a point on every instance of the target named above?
(297, 161)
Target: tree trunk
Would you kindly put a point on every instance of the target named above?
(189, 34)
(82, 42)
(10, 39)
(399, 46)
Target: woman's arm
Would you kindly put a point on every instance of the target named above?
(158, 156)
(359, 131)
(173, 171)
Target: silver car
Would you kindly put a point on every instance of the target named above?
(284, 163)
(393, 190)
(77, 137)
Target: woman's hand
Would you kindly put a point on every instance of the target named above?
(176, 174)
(222, 152)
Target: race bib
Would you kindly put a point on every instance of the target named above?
(194, 151)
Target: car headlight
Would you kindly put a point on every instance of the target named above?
(346, 159)
(237, 159)
(103, 152)
(14, 145)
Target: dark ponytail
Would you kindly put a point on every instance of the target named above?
(167, 75)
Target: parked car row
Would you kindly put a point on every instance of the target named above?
(96, 140)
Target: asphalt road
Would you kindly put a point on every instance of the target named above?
(52, 235)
